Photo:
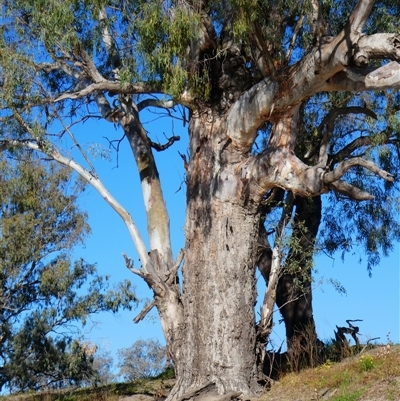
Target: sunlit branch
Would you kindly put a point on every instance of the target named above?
(350, 190)
(346, 165)
(109, 86)
(158, 103)
(93, 181)
(360, 14)
(362, 79)
(108, 40)
(276, 268)
(294, 37)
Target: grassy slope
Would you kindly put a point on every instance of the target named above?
(371, 376)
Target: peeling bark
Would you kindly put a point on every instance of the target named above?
(219, 271)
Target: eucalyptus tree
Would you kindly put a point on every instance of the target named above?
(44, 296)
(261, 84)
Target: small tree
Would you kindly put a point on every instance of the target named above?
(103, 364)
(42, 293)
(145, 358)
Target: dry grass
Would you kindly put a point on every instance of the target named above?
(371, 376)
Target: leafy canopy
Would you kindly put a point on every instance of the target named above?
(44, 295)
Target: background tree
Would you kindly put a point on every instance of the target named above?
(282, 69)
(44, 296)
(103, 365)
(145, 358)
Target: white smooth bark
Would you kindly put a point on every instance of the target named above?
(99, 186)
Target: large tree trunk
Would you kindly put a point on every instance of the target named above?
(219, 270)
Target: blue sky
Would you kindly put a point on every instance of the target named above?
(375, 300)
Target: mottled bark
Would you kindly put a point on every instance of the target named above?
(219, 271)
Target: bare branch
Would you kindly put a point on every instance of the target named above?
(377, 46)
(360, 14)
(345, 165)
(159, 103)
(327, 125)
(96, 183)
(129, 265)
(362, 79)
(350, 190)
(160, 148)
(109, 86)
(294, 37)
(144, 312)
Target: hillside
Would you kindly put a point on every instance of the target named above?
(373, 375)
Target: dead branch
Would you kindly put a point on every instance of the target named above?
(144, 312)
(160, 148)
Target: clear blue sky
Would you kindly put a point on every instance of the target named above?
(375, 300)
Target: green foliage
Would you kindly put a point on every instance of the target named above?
(366, 363)
(367, 228)
(43, 294)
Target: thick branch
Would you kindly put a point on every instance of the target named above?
(280, 168)
(346, 165)
(360, 14)
(362, 79)
(377, 46)
(350, 191)
(159, 103)
(109, 86)
(157, 214)
(320, 70)
(108, 40)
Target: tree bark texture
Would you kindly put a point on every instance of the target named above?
(219, 270)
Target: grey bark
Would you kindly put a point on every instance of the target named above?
(219, 271)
